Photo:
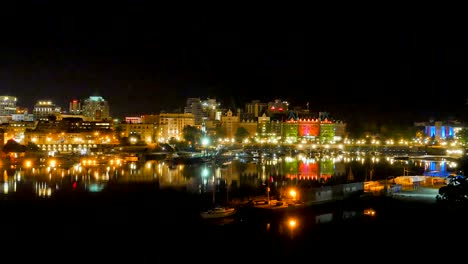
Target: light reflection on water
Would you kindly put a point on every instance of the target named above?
(176, 228)
(206, 177)
(295, 231)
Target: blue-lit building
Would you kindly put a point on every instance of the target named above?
(440, 130)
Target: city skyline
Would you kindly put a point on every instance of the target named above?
(144, 60)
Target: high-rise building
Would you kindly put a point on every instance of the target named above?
(96, 108)
(44, 109)
(278, 107)
(75, 107)
(194, 106)
(255, 108)
(211, 109)
(7, 105)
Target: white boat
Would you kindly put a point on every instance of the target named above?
(218, 212)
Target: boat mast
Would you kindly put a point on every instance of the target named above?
(214, 190)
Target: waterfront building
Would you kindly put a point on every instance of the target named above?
(171, 125)
(70, 135)
(340, 131)
(250, 126)
(438, 132)
(263, 126)
(137, 131)
(290, 131)
(16, 130)
(327, 131)
(230, 123)
(308, 128)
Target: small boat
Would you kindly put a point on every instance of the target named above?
(218, 212)
(401, 157)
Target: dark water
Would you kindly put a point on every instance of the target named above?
(138, 216)
(147, 226)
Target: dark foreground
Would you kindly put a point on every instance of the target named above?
(164, 226)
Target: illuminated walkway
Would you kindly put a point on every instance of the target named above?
(421, 194)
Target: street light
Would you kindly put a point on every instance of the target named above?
(293, 194)
(205, 141)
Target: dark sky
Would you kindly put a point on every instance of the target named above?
(143, 57)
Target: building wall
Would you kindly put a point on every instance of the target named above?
(96, 108)
(230, 123)
(327, 132)
(171, 125)
(250, 126)
(146, 132)
(308, 128)
(7, 105)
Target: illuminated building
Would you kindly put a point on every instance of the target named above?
(327, 131)
(133, 120)
(150, 119)
(96, 108)
(440, 130)
(309, 129)
(44, 109)
(7, 105)
(194, 106)
(171, 125)
(255, 108)
(230, 123)
(290, 131)
(75, 107)
(142, 132)
(278, 107)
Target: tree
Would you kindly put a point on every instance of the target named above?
(192, 135)
(462, 136)
(118, 132)
(13, 146)
(219, 133)
(33, 147)
(241, 134)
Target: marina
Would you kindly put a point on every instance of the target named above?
(271, 203)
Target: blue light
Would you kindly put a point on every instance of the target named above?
(432, 130)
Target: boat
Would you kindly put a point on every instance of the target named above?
(276, 205)
(401, 157)
(218, 212)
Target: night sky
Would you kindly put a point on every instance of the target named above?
(144, 58)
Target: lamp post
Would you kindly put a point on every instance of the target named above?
(205, 143)
(293, 194)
